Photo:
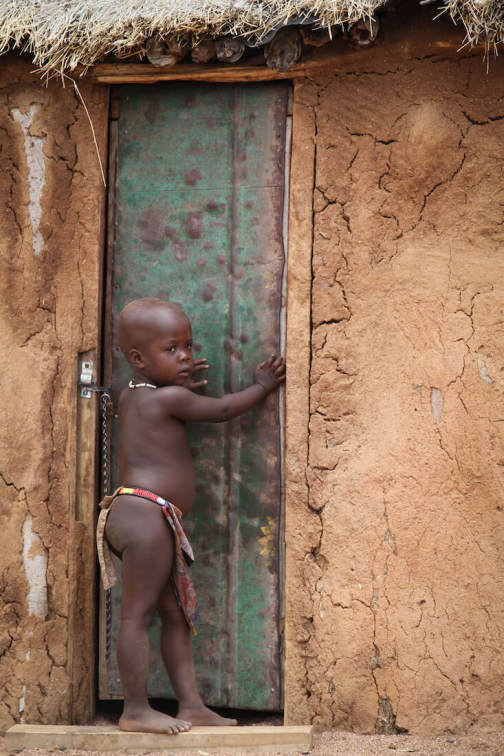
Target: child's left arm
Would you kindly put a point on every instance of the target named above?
(176, 401)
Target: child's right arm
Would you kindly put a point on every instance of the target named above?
(178, 401)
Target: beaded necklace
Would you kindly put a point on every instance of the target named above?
(141, 385)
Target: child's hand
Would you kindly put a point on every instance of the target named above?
(270, 374)
(199, 365)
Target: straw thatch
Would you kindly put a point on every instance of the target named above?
(62, 34)
(483, 20)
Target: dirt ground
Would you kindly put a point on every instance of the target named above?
(329, 743)
(485, 743)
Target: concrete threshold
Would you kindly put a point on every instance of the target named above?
(209, 739)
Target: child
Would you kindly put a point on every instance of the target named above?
(141, 520)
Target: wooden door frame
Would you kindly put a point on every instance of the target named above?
(106, 347)
(82, 564)
(298, 350)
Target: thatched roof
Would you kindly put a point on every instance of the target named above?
(62, 34)
(483, 19)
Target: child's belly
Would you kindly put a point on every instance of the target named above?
(175, 481)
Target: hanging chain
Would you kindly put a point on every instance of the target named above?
(106, 399)
(108, 625)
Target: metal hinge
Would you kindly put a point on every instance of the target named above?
(86, 379)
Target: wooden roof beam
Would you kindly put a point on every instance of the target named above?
(253, 69)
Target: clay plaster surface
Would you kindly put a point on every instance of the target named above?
(49, 261)
(394, 516)
(35, 160)
(401, 625)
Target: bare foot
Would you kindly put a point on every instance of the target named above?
(149, 720)
(202, 717)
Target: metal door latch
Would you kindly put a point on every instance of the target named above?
(86, 379)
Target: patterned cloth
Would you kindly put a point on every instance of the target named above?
(181, 580)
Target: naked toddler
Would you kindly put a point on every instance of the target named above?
(141, 521)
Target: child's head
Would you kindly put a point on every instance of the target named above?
(156, 339)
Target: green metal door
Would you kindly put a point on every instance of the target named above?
(198, 208)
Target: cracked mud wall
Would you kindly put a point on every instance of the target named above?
(50, 250)
(395, 599)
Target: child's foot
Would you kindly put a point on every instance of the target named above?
(203, 717)
(150, 720)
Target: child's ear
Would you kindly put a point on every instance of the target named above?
(136, 358)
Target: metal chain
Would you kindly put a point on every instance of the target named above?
(105, 398)
(108, 625)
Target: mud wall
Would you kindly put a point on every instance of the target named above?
(394, 593)
(50, 227)
(395, 580)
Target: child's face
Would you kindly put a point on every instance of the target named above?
(168, 358)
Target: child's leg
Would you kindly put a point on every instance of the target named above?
(176, 649)
(138, 530)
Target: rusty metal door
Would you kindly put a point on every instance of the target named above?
(197, 208)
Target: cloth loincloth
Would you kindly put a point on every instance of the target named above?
(183, 587)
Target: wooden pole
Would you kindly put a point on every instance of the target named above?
(335, 57)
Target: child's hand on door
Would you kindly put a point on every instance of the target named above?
(271, 373)
(190, 383)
